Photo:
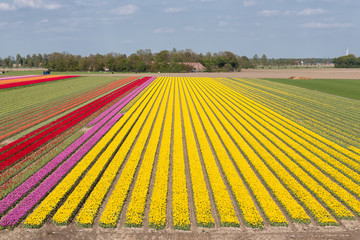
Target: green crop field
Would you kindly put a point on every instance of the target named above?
(9, 73)
(349, 88)
(332, 116)
(32, 95)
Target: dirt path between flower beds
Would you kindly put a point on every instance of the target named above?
(320, 73)
(52, 232)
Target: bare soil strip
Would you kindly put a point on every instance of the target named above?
(224, 179)
(319, 73)
(193, 222)
(153, 175)
(209, 190)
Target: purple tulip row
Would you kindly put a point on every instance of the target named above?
(15, 77)
(13, 217)
(38, 176)
(120, 104)
(15, 195)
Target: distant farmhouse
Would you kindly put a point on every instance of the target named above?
(198, 67)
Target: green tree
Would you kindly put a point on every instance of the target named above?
(163, 56)
(146, 56)
(133, 61)
(230, 58)
(255, 60)
(110, 63)
(122, 64)
(244, 62)
(84, 64)
(349, 61)
(98, 63)
(18, 59)
(264, 60)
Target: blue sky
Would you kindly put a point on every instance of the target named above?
(277, 28)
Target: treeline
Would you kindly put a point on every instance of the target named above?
(146, 61)
(348, 61)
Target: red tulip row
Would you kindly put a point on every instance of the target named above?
(12, 152)
(60, 120)
(32, 113)
(12, 177)
(23, 83)
(16, 124)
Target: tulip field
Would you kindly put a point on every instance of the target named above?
(187, 153)
(19, 81)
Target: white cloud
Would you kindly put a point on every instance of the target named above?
(3, 24)
(227, 30)
(269, 13)
(164, 30)
(226, 17)
(174, 10)
(288, 12)
(36, 4)
(29, 4)
(312, 11)
(249, 3)
(223, 24)
(257, 24)
(201, 0)
(90, 3)
(325, 25)
(44, 21)
(6, 7)
(57, 29)
(305, 12)
(125, 10)
(193, 29)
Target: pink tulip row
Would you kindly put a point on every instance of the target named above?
(15, 77)
(13, 217)
(115, 106)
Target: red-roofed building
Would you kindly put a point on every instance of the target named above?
(198, 67)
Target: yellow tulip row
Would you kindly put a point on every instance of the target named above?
(246, 151)
(49, 204)
(180, 205)
(325, 154)
(289, 92)
(338, 151)
(295, 211)
(332, 130)
(271, 210)
(110, 216)
(222, 199)
(92, 204)
(290, 137)
(200, 194)
(355, 149)
(66, 211)
(250, 214)
(136, 208)
(342, 194)
(308, 138)
(297, 190)
(158, 203)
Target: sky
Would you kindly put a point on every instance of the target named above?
(277, 28)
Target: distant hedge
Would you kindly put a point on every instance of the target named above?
(349, 61)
